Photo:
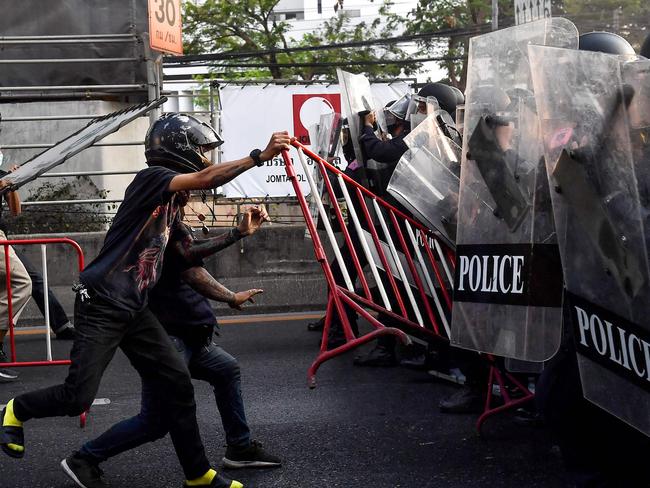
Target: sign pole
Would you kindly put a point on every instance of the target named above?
(495, 15)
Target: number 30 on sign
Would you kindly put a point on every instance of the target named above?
(165, 27)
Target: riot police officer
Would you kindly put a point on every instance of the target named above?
(597, 449)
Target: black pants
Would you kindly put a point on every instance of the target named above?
(58, 317)
(101, 328)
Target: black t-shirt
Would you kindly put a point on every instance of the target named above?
(131, 258)
(179, 308)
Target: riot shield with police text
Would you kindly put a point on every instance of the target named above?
(427, 178)
(593, 115)
(508, 280)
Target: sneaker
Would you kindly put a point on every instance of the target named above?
(316, 326)
(528, 417)
(380, 357)
(11, 436)
(6, 375)
(218, 482)
(466, 400)
(83, 472)
(418, 362)
(253, 456)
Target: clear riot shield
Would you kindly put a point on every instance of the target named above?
(324, 137)
(327, 135)
(592, 115)
(426, 179)
(93, 132)
(508, 276)
(356, 99)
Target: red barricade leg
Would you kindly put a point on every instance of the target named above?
(507, 383)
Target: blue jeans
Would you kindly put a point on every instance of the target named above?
(205, 362)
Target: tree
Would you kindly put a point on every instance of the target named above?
(227, 27)
(222, 26)
(628, 18)
(465, 15)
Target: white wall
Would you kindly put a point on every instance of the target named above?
(116, 158)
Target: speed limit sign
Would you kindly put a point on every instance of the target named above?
(165, 27)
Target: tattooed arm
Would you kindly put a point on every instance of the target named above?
(193, 251)
(220, 174)
(205, 284)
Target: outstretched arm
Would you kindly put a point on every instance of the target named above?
(205, 284)
(220, 174)
(194, 250)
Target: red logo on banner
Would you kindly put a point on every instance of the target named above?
(307, 110)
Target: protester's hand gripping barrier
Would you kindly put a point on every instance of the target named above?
(405, 259)
(49, 361)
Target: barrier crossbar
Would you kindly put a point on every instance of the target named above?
(12, 341)
(405, 259)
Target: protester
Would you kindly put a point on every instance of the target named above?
(180, 302)
(111, 306)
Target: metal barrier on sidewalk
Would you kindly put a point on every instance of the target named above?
(49, 361)
(405, 259)
(412, 268)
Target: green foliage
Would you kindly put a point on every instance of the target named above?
(222, 26)
(63, 218)
(628, 18)
(436, 15)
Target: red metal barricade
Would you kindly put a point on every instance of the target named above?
(12, 341)
(405, 251)
(414, 261)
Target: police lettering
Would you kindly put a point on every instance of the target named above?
(614, 343)
(491, 274)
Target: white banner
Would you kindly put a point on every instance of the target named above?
(250, 114)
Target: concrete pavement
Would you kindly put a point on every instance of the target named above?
(361, 427)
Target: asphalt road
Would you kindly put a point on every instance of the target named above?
(361, 427)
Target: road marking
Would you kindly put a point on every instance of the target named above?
(273, 318)
(246, 319)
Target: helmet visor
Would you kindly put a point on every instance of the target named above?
(400, 108)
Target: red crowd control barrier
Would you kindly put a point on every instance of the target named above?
(412, 269)
(12, 341)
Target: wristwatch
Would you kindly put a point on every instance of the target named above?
(255, 154)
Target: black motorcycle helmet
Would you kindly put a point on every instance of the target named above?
(460, 98)
(645, 48)
(447, 98)
(179, 142)
(605, 42)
